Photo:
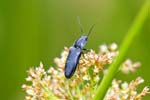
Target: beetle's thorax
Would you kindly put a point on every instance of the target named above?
(80, 42)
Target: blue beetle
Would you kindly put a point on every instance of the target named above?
(74, 55)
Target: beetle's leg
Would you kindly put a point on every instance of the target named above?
(85, 50)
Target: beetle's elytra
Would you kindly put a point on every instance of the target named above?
(74, 55)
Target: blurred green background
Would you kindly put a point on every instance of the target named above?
(37, 30)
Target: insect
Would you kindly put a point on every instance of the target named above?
(75, 52)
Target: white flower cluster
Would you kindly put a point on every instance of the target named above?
(52, 84)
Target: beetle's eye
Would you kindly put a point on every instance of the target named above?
(86, 39)
(75, 46)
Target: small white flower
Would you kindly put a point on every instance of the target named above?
(86, 77)
(30, 92)
(103, 48)
(113, 46)
(124, 85)
(29, 78)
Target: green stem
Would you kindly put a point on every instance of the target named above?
(131, 34)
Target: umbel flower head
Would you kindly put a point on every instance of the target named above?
(52, 84)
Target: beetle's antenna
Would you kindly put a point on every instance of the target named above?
(90, 30)
(81, 28)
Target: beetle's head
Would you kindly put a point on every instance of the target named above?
(81, 41)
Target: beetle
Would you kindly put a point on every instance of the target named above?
(74, 55)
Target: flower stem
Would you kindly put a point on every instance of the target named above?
(131, 34)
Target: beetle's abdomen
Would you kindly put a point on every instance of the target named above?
(72, 61)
